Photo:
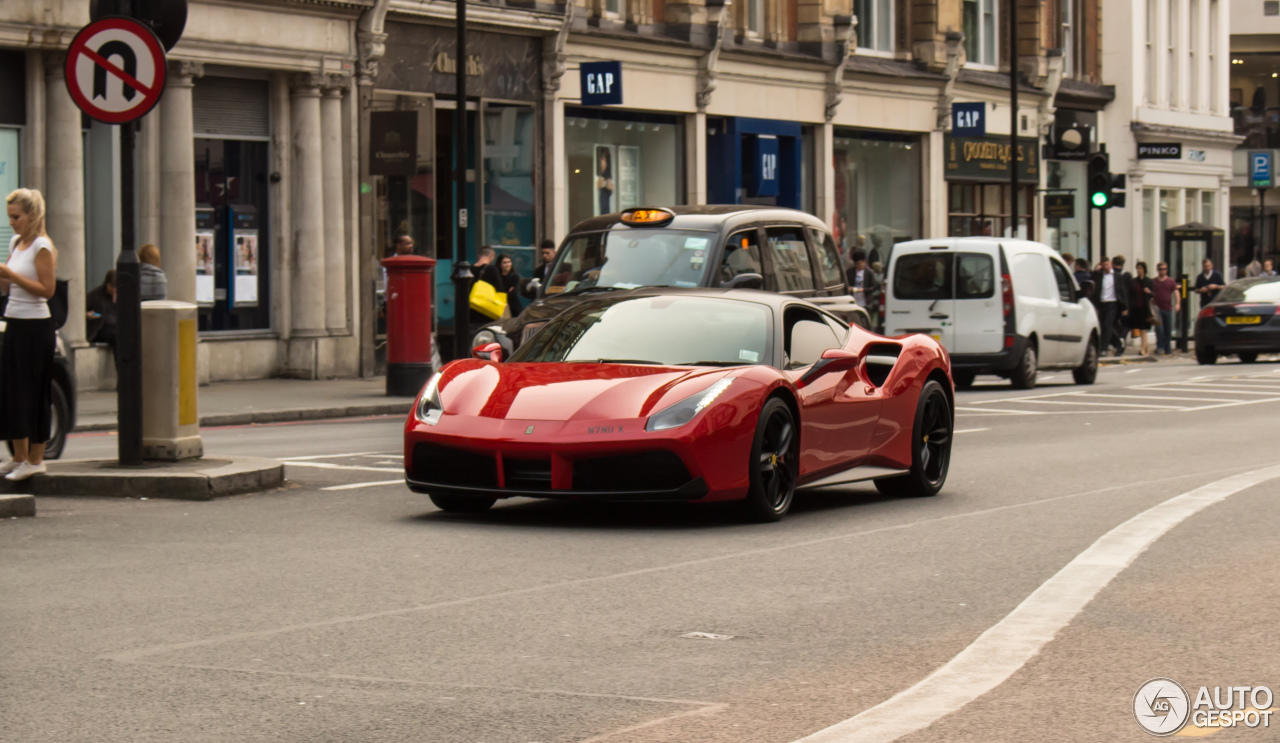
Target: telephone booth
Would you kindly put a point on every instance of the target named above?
(1185, 248)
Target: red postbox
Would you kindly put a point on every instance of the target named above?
(409, 285)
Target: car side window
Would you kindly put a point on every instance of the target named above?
(923, 276)
(806, 334)
(975, 276)
(840, 329)
(741, 255)
(1066, 289)
(828, 259)
(790, 259)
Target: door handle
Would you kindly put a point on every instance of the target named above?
(937, 316)
(1064, 314)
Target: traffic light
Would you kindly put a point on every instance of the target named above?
(1099, 180)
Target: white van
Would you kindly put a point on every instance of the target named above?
(999, 306)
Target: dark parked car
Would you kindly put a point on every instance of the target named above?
(1243, 320)
(64, 401)
(743, 247)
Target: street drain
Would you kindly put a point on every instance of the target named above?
(707, 636)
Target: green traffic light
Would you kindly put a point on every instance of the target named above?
(1100, 199)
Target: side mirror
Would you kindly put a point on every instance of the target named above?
(744, 281)
(833, 361)
(488, 352)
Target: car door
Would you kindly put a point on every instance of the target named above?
(1036, 294)
(741, 255)
(920, 295)
(837, 415)
(978, 319)
(789, 254)
(1074, 315)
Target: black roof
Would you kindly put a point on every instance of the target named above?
(712, 217)
(757, 296)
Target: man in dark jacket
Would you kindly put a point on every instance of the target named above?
(1111, 295)
(100, 311)
(864, 282)
(1209, 283)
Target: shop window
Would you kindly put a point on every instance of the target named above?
(9, 150)
(983, 209)
(741, 255)
(753, 17)
(877, 192)
(980, 31)
(233, 256)
(617, 161)
(875, 24)
(1206, 208)
(510, 135)
(790, 257)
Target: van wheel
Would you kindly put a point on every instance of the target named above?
(1087, 372)
(963, 379)
(1024, 374)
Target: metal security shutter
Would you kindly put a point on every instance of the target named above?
(231, 107)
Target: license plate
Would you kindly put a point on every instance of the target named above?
(1244, 320)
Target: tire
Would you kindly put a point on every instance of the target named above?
(1087, 372)
(931, 437)
(1024, 374)
(774, 464)
(463, 503)
(1206, 356)
(963, 379)
(1247, 357)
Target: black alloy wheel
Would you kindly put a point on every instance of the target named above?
(1024, 374)
(1206, 355)
(1247, 357)
(775, 463)
(931, 438)
(1087, 372)
(463, 503)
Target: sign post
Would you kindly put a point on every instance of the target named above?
(1260, 178)
(115, 73)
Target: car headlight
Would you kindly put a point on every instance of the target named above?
(429, 407)
(484, 338)
(677, 415)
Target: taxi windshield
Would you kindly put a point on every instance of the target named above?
(628, 258)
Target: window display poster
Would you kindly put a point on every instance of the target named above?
(606, 155)
(246, 248)
(204, 267)
(628, 180)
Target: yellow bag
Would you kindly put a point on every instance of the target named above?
(487, 300)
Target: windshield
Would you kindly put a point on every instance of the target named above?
(630, 258)
(667, 330)
(1262, 289)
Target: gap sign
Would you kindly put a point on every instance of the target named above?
(766, 166)
(601, 83)
(968, 119)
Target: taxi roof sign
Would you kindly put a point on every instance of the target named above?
(647, 217)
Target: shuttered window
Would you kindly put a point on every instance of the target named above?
(231, 107)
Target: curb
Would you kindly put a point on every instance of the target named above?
(221, 477)
(15, 506)
(277, 416)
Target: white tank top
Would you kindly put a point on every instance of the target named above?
(23, 305)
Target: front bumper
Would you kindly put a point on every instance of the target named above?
(990, 363)
(1212, 332)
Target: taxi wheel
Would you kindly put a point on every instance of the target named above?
(1248, 357)
(463, 503)
(931, 437)
(774, 464)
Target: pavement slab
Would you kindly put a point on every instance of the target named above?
(192, 479)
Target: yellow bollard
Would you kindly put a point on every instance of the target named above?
(170, 413)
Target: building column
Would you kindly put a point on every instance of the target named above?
(178, 182)
(934, 185)
(308, 235)
(824, 181)
(64, 193)
(695, 153)
(149, 191)
(33, 152)
(335, 244)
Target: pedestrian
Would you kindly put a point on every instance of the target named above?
(151, 281)
(1208, 283)
(403, 245)
(1140, 292)
(864, 282)
(29, 278)
(1268, 268)
(1113, 300)
(1253, 268)
(1168, 301)
(1068, 259)
(547, 253)
(1120, 333)
(100, 312)
(484, 270)
(510, 283)
(1082, 272)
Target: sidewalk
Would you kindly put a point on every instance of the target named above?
(264, 401)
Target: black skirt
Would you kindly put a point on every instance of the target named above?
(26, 379)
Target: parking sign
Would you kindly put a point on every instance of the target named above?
(1260, 169)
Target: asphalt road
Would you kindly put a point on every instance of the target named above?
(341, 609)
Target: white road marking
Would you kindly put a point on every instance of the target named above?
(995, 411)
(1103, 403)
(328, 456)
(1189, 388)
(1229, 405)
(1005, 648)
(1157, 397)
(1132, 371)
(972, 430)
(353, 467)
(358, 485)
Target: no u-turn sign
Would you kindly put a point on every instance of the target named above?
(115, 70)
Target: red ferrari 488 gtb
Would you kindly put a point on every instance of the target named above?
(685, 395)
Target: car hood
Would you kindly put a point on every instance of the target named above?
(567, 392)
(540, 312)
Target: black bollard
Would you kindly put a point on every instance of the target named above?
(462, 279)
(128, 315)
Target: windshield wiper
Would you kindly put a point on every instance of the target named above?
(589, 289)
(615, 361)
(712, 363)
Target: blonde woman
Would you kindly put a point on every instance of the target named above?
(26, 357)
(151, 281)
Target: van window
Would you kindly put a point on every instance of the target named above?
(806, 336)
(741, 255)
(828, 259)
(975, 276)
(1066, 288)
(922, 276)
(790, 259)
(1031, 277)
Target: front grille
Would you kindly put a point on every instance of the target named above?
(527, 474)
(651, 470)
(446, 465)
